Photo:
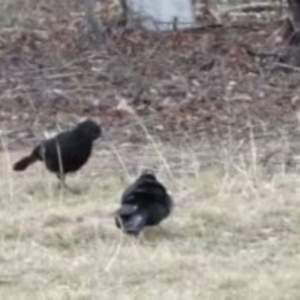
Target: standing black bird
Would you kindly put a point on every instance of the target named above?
(66, 152)
(143, 203)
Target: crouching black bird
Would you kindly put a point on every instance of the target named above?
(64, 153)
(143, 203)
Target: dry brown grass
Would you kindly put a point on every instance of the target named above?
(232, 235)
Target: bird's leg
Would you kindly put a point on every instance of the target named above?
(62, 180)
(64, 186)
(162, 230)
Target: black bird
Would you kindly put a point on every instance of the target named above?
(143, 203)
(66, 152)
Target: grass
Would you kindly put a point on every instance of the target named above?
(231, 236)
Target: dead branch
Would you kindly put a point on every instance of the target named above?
(256, 8)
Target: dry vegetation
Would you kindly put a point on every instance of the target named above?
(217, 123)
(233, 234)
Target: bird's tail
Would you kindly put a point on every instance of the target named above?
(130, 219)
(23, 163)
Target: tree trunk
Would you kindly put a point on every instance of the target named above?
(294, 7)
(290, 49)
(96, 26)
(124, 6)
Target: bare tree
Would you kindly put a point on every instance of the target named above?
(290, 52)
(294, 7)
(124, 6)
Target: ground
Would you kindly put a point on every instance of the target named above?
(211, 111)
(232, 235)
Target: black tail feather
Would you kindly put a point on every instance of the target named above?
(23, 163)
(135, 223)
(131, 220)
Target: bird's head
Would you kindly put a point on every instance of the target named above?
(90, 129)
(147, 174)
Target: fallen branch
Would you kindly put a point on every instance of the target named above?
(257, 7)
